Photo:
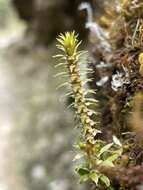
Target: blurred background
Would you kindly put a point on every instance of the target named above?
(36, 130)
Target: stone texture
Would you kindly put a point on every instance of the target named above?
(46, 19)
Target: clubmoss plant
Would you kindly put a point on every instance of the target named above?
(69, 45)
(94, 151)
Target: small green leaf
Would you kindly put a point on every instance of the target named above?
(105, 180)
(82, 170)
(107, 163)
(94, 176)
(84, 178)
(113, 157)
(105, 149)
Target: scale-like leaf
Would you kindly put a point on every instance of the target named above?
(105, 180)
(105, 149)
(94, 176)
(82, 170)
(116, 141)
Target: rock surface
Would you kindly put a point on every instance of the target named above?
(46, 19)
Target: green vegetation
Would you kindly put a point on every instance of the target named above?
(110, 120)
(96, 152)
